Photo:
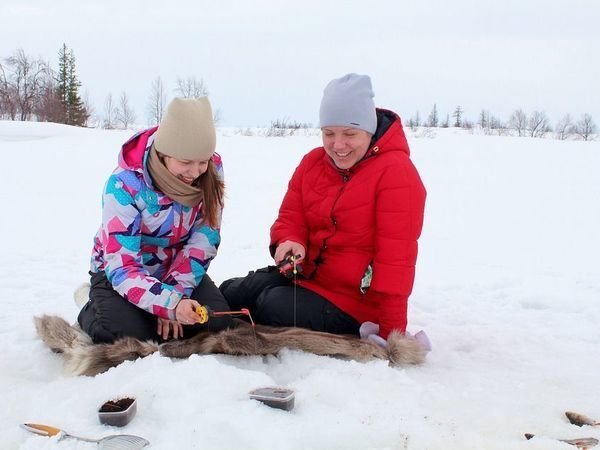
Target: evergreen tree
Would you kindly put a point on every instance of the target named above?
(77, 112)
(62, 83)
(433, 120)
(457, 114)
(74, 110)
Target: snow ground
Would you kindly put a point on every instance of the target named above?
(507, 288)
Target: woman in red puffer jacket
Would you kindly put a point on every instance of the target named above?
(350, 218)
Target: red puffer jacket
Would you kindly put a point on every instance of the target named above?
(370, 214)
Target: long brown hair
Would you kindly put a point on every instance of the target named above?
(213, 190)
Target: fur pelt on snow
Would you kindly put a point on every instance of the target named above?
(82, 357)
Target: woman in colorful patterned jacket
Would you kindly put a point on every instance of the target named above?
(351, 218)
(161, 215)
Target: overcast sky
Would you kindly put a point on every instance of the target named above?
(268, 59)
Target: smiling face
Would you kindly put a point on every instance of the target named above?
(186, 170)
(345, 146)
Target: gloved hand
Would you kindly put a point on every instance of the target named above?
(369, 330)
(422, 339)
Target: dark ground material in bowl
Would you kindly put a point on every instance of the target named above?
(117, 405)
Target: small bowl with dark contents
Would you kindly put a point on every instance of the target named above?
(119, 412)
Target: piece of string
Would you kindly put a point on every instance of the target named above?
(295, 272)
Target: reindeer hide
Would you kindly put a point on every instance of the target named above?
(82, 357)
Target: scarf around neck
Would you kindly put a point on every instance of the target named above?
(186, 194)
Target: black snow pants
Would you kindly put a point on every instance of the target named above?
(107, 316)
(274, 300)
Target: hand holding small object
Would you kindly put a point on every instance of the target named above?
(284, 251)
(185, 311)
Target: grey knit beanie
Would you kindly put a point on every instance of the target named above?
(348, 102)
(187, 130)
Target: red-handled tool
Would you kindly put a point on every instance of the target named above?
(205, 313)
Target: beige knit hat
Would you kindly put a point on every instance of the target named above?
(187, 130)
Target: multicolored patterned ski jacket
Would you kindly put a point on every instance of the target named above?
(154, 250)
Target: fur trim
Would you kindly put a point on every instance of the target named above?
(265, 340)
(82, 295)
(59, 335)
(82, 357)
(403, 350)
(98, 358)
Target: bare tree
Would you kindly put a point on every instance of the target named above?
(538, 124)
(564, 128)
(8, 107)
(518, 122)
(191, 87)
(586, 128)
(495, 124)
(49, 107)
(467, 124)
(91, 118)
(24, 82)
(110, 113)
(484, 119)
(446, 123)
(285, 127)
(156, 102)
(125, 114)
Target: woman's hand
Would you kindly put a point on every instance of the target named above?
(287, 248)
(164, 327)
(185, 312)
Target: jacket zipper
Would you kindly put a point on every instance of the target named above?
(345, 178)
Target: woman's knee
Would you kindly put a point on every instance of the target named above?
(108, 317)
(243, 292)
(275, 306)
(104, 329)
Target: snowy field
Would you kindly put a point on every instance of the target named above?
(507, 288)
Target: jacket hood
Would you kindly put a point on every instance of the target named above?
(389, 135)
(133, 152)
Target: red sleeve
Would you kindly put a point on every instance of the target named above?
(291, 223)
(399, 208)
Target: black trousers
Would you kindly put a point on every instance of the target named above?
(274, 300)
(107, 316)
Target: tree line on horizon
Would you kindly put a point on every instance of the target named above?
(30, 89)
(535, 124)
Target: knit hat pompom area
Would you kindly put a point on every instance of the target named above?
(348, 102)
(187, 130)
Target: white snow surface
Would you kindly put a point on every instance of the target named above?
(507, 288)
